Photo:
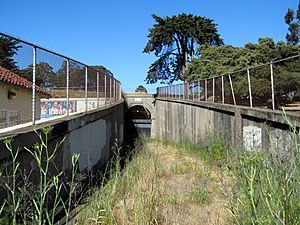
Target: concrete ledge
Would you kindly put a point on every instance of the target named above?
(242, 127)
(66, 126)
(74, 121)
(268, 115)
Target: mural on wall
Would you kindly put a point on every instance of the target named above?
(52, 108)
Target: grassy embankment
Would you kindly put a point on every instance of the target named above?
(164, 183)
(167, 183)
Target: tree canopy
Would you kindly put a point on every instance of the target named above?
(103, 70)
(44, 74)
(218, 60)
(175, 41)
(141, 88)
(292, 19)
(8, 48)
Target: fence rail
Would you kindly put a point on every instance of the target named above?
(47, 84)
(273, 85)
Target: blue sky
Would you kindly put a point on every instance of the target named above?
(114, 33)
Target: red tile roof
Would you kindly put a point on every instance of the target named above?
(12, 78)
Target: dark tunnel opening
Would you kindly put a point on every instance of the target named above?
(137, 123)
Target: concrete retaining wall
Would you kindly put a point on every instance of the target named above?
(241, 126)
(92, 134)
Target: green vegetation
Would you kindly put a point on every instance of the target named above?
(165, 181)
(160, 185)
(125, 196)
(219, 60)
(46, 75)
(8, 48)
(265, 184)
(175, 41)
(37, 202)
(141, 89)
(292, 19)
(199, 195)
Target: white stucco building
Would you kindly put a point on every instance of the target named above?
(16, 99)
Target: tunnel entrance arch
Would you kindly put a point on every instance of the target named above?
(139, 112)
(140, 118)
(141, 102)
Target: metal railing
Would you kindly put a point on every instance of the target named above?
(272, 85)
(59, 85)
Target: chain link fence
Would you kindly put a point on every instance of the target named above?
(36, 83)
(275, 85)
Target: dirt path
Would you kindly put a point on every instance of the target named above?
(190, 190)
(161, 185)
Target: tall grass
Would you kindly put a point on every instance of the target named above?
(141, 193)
(260, 187)
(211, 148)
(266, 185)
(128, 196)
(27, 202)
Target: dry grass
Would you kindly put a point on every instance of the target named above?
(161, 186)
(183, 176)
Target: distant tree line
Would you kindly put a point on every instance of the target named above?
(45, 74)
(218, 60)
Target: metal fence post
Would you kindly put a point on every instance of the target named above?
(173, 87)
(105, 89)
(223, 91)
(110, 89)
(97, 89)
(86, 88)
(232, 91)
(205, 89)
(192, 91)
(33, 84)
(272, 86)
(114, 90)
(213, 90)
(120, 91)
(188, 90)
(68, 87)
(167, 91)
(249, 86)
(185, 90)
(181, 92)
(199, 90)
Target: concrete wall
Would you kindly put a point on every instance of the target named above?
(241, 126)
(92, 134)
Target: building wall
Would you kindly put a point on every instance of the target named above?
(21, 103)
(242, 127)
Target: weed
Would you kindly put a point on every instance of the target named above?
(266, 186)
(199, 195)
(27, 201)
